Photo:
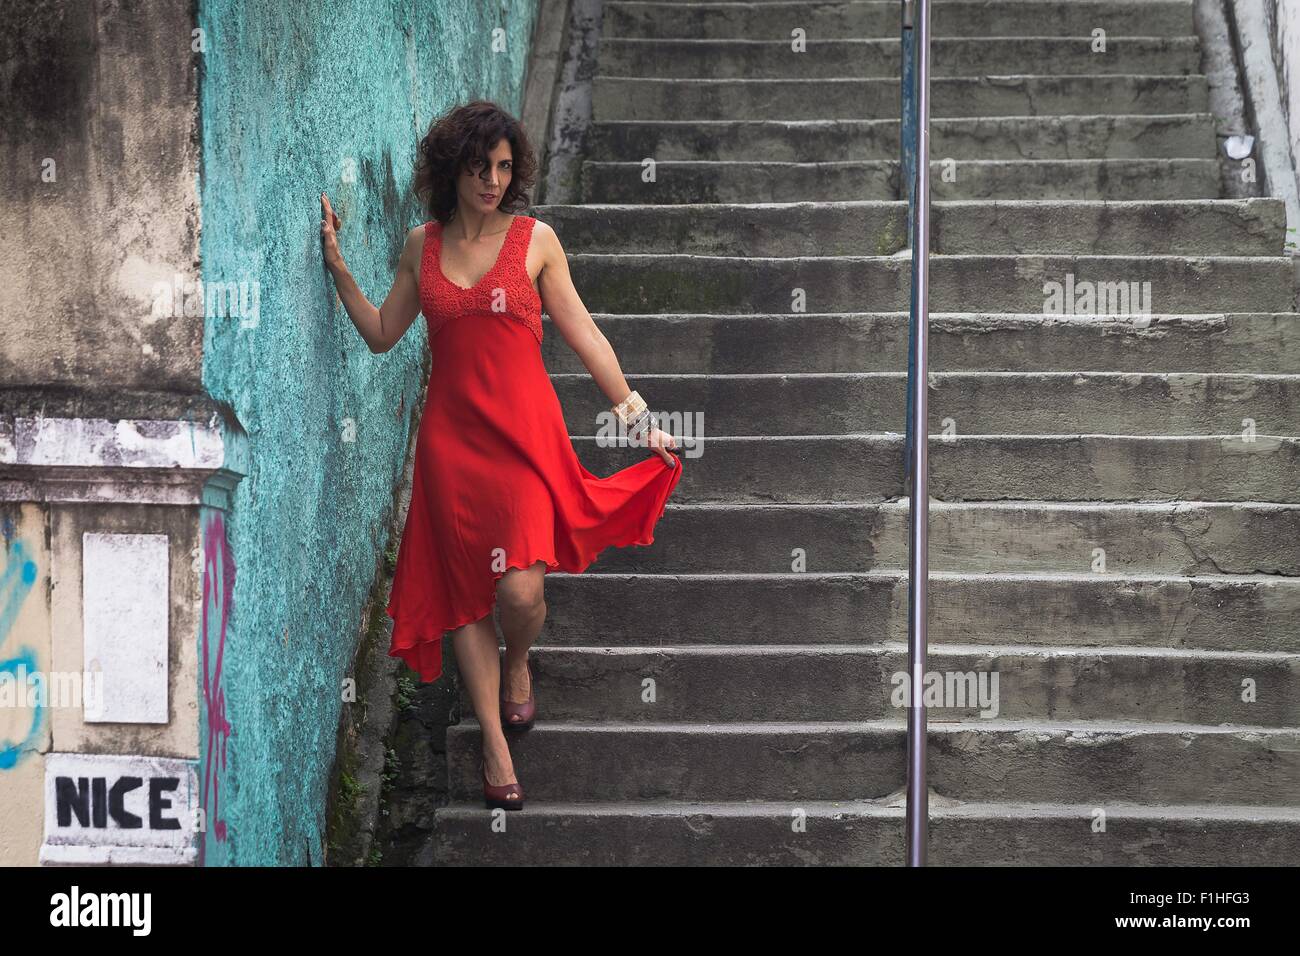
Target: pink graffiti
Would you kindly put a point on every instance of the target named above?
(218, 586)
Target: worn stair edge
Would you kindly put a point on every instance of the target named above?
(650, 97)
(1244, 343)
(843, 467)
(857, 833)
(983, 759)
(880, 18)
(856, 681)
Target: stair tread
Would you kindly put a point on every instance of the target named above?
(979, 374)
(891, 574)
(999, 725)
(1036, 118)
(938, 808)
(894, 647)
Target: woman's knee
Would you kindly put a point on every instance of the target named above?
(521, 592)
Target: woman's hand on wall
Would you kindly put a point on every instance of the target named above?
(329, 238)
(382, 327)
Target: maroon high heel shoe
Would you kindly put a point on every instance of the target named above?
(500, 797)
(519, 716)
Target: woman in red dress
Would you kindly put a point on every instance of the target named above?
(499, 497)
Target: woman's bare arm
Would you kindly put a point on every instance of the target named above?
(575, 325)
(382, 327)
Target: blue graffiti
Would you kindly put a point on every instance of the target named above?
(15, 583)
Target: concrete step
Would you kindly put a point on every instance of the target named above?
(711, 683)
(1096, 285)
(687, 183)
(1113, 179)
(951, 56)
(833, 468)
(1019, 138)
(820, 98)
(1245, 227)
(850, 342)
(978, 403)
(1253, 613)
(863, 833)
(1224, 227)
(1037, 760)
(1023, 537)
(681, 182)
(880, 18)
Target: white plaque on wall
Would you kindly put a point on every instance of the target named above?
(125, 604)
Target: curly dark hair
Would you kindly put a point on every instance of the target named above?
(458, 137)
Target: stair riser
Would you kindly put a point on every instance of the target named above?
(960, 404)
(1032, 138)
(849, 762)
(679, 183)
(1012, 538)
(1110, 179)
(1027, 284)
(862, 343)
(1255, 227)
(721, 59)
(663, 685)
(1085, 468)
(683, 184)
(842, 835)
(1098, 612)
(768, 21)
(645, 98)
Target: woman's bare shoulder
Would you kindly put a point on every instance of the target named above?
(545, 237)
(413, 247)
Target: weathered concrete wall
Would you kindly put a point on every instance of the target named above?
(105, 439)
(99, 625)
(99, 150)
(297, 99)
(1287, 52)
(1272, 29)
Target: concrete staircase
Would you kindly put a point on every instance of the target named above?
(1057, 441)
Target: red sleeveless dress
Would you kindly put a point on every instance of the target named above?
(497, 483)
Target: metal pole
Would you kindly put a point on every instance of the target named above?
(907, 188)
(918, 799)
(907, 114)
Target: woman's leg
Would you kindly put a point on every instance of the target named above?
(522, 609)
(478, 658)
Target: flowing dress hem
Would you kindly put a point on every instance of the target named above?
(418, 641)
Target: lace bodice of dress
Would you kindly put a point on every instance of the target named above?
(505, 289)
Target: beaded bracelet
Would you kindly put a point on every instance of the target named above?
(630, 408)
(634, 415)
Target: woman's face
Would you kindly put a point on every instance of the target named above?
(482, 184)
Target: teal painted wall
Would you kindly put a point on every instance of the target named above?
(290, 93)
